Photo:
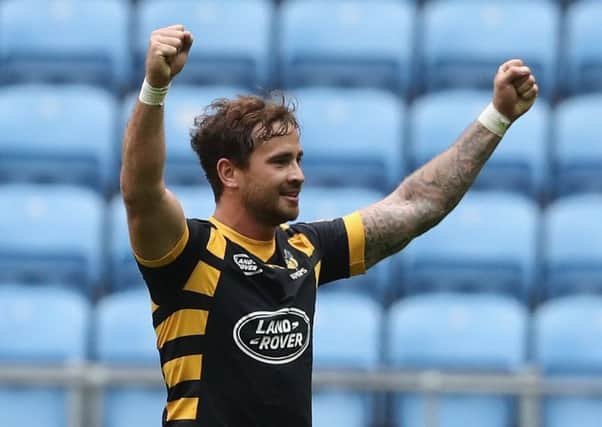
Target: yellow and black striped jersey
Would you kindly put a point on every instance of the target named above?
(234, 318)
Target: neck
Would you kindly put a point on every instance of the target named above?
(238, 218)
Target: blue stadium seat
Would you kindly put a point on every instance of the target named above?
(40, 407)
(59, 134)
(486, 244)
(183, 104)
(124, 273)
(319, 203)
(322, 203)
(347, 43)
(340, 409)
(351, 137)
(232, 38)
(568, 338)
(124, 329)
(577, 152)
(51, 234)
(567, 335)
(125, 337)
(65, 41)
(54, 320)
(519, 163)
(461, 42)
(133, 406)
(583, 55)
(466, 333)
(347, 332)
(572, 256)
(579, 411)
(346, 336)
(40, 326)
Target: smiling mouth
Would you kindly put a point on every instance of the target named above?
(291, 195)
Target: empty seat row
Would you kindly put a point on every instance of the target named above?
(448, 332)
(384, 43)
(492, 242)
(72, 134)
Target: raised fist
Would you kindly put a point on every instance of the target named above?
(167, 53)
(514, 89)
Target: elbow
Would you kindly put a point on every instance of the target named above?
(137, 193)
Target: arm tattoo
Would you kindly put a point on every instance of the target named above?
(425, 197)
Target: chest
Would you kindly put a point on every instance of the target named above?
(266, 308)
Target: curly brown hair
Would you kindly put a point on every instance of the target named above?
(227, 128)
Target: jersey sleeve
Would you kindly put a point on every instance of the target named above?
(341, 246)
(168, 274)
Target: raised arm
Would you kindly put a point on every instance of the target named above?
(425, 197)
(155, 219)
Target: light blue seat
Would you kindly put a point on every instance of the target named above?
(577, 152)
(466, 333)
(65, 41)
(567, 341)
(347, 332)
(519, 162)
(572, 255)
(583, 54)
(59, 134)
(50, 405)
(54, 320)
(324, 203)
(486, 244)
(461, 42)
(347, 43)
(124, 331)
(351, 137)
(197, 202)
(134, 406)
(340, 409)
(346, 336)
(232, 43)
(581, 411)
(51, 234)
(44, 326)
(183, 104)
(125, 337)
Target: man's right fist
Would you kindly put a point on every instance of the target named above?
(167, 54)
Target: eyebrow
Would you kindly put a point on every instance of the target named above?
(285, 155)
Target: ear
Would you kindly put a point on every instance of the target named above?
(228, 173)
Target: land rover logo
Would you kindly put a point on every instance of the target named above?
(274, 337)
(248, 266)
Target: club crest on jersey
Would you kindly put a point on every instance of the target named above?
(248, 265)
(274, 337)
(289, 259)
(293, 264)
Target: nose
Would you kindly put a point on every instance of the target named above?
(296, 174)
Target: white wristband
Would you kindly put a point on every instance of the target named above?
(493, 120)
(151, 95)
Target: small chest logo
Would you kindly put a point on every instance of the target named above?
(248, 265)
(289, 259)
(274, 337)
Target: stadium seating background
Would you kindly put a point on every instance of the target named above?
(512, 278)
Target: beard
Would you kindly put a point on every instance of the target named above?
(269, 206)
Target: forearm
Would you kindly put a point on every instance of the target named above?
(437, 187)
(426, 196)
(143, 155)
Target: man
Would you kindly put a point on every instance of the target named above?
(233, 297)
